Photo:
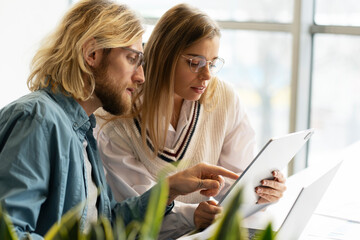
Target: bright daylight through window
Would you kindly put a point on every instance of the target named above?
(258, 44)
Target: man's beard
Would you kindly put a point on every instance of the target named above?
(110, 96)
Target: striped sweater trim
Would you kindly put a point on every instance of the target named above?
(181, 145)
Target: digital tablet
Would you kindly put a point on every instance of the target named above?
(275, 155)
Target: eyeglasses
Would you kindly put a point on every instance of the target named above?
(197, 62)
(137, 60)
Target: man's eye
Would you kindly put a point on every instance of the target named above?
(131, 60)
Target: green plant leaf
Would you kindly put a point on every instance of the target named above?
(155, 210)
(132, 230)
(101, 230)
(119, 230)
(6, 227)
(267, 234)
(230, 222)
(96, 232)
(68, 225)
(106, 225)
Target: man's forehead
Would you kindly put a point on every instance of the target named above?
(138, 45)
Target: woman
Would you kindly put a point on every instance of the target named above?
(182, 116)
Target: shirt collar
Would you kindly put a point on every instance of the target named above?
(184, 117)
(81, 122)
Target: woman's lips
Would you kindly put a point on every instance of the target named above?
(199, 90)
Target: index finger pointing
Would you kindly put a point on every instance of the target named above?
(211, 169)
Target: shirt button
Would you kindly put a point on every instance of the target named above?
(75, 125)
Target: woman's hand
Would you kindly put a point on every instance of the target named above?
(205, 214)
(271, 190)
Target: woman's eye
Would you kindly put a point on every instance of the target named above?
(194, 62)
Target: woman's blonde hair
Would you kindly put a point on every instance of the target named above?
(179, 28)
(60, 60)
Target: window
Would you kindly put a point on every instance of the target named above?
(335, 101)
(335, 108)
(294, 63)
(235, 10)
(337, 12)
(258, 64)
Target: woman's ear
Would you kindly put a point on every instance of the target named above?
(91, 56)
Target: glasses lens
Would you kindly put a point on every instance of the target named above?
(140, 60)
(216, 65)
(137, 60)
(196, 63)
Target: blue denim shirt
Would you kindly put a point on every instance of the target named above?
(42, 169)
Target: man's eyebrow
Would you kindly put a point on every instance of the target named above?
(132, 50)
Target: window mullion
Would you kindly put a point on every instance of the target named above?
(301, 75)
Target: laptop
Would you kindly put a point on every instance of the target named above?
(275, 155)
(303, 207)
(297, 217)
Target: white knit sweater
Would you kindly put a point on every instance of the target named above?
(200, 141)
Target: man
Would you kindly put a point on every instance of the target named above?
(48, 155)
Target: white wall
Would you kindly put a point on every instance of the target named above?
(23, 24)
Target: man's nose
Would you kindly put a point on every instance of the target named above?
(138, 76)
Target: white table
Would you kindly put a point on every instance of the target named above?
(337, 216)
(338, 213)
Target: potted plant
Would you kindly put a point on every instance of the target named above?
(229, 226)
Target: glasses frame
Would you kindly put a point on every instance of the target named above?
(140, 60)
(204, 63)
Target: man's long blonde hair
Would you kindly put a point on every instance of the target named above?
(60, 60)
(179, 28)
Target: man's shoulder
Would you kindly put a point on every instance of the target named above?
(36, 105)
